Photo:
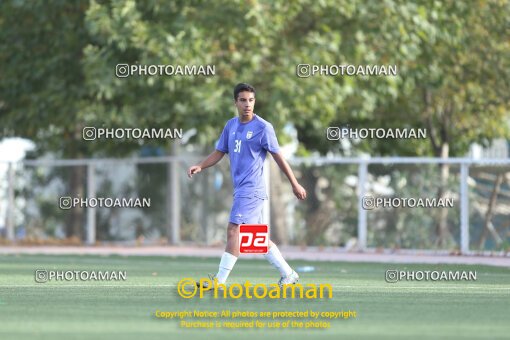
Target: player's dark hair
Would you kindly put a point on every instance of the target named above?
(241, 87)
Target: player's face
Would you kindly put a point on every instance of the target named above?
(245, 104)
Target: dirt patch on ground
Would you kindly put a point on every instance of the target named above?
(291, 253)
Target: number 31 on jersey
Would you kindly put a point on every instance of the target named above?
(237, 147)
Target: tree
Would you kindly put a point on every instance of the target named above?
(452, 59)
(454, 74)
(42, 92)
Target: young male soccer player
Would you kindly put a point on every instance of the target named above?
(247, 139)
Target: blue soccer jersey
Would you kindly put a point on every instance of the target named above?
(247, 145)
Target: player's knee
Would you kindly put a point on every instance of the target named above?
(231, 234)
(233, 228)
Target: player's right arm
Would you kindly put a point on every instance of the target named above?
(212, 159)
(215, 156)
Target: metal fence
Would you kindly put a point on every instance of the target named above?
(335, 213)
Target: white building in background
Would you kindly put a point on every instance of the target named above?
(11, 150)
(500, 148)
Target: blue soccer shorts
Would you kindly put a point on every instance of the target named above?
(246, 210)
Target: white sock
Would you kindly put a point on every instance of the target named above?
(226, 264)
(276, 259)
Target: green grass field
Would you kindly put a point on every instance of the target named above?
(107, 310)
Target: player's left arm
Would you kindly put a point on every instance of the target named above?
(298, 190)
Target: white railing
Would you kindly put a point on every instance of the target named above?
(363, 163)
(173, 210)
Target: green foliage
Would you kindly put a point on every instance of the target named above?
(41, 82)
(57, 66)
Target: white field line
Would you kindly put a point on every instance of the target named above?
(394, 286)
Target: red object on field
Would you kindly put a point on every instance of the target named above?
(253, 238)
